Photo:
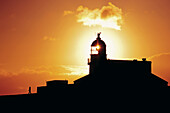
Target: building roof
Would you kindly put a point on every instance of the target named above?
(98, 42)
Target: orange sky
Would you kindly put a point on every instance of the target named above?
(38, 42)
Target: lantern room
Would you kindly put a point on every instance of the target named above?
(98, 47)
(98, 54)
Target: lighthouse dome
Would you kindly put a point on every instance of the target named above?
(98, 42)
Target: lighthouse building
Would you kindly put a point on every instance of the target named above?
(109, 74)
(126, 74)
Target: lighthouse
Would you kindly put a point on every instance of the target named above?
(98, 55)
(109, 75)
(119, 74)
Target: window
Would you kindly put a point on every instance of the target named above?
(95, 49)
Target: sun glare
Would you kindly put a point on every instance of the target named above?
(97, 47)
(114, 46)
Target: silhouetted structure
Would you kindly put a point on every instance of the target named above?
(29, 90)
(55, 86)
(108, 81)
(105, 74)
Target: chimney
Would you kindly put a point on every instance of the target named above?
(143, 59)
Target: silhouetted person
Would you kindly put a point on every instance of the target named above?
(29, 90)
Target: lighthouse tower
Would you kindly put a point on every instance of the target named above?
(117, 74)
(98, 55)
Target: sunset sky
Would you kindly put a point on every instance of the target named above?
(43, 40)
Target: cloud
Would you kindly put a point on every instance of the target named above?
(18, 82)
(159, 55)
(76, 70)
(108, 16)
(161, 65)
(161, 61)
(68, 13)
(3, 72)
(49, 38)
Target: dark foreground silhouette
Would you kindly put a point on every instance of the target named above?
(109, 84)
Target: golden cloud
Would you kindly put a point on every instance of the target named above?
(158, 55)
(49, 38)
(68, 12)
(75, 70)
(108, 16)
(18, 82)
